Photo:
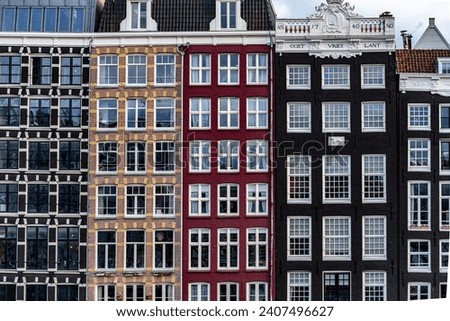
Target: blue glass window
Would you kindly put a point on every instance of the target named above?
(78, 19)
(22, 19)
(50, 20)
(9, 19)
(64, 20)
(36, 19)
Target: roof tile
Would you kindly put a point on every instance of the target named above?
(419, 61)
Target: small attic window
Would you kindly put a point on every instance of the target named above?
(443, 66)
(139, 14)
(228, 15)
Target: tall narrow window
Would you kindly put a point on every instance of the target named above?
(68, 248)
(199, 200)
(23, 14)
(299, 117)
(374, 286)
(299, 286)
(200, 156)
(106, 250)
(71, 70)
(135, 205)
(69, 199)
(299, 179)
(199, 254)
(257, 113)
(9, 111)
(136, 157)
(443, 254)
(374, 238)
(8, 247)
(444, 119)
(135, 250)
(139, 14)
(228, 113)
(164, 157)
(136, 114)
(257, 248)
(38, 155)
(107, 157)
(419, 256)
(108, 70)
(336, 181)
(41, 71)
(38, 198)
(445, 206)
(163, 249)
(228, 156)
(229, 69)
(10, 70)
(299, 238)
(228, 15)
(257, 68)
(70, 112)
(200, 69)
(69, 155)
(374, 178)
(39, 112)
(107, 113)
(228, 199)
(200, 113)
(165, 113)
(445, 157)
(37, 248)
(419, 205)
(137, 70)
(257, 155)
(228, 249)
(336, 238)
(9, 198)
(107, 200)
(164, 200)
(419, 155)
(257, 199)
(165, 69)
(9, 154)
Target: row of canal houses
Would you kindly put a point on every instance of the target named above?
(206, 150)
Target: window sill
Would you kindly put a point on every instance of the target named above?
(106, 273)
(303, 201)
(419, 228)
(419, 270)
(374, 258)
(299, 258)
(163, 272)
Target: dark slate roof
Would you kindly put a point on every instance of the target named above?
(419, 61)
(189, 15)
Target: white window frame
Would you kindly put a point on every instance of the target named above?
(441, 108)
(228, 286)
(257, 195)
(203, 196)
(298, 281)
(228, 245)
(140, 14)
(164, 246)
(135, 104)
(164, 104)
(299, 173)
(228, 70)
(299, 232)
(201, 158)
(339, 78)
(258, 245)
(419, 199)
(444, 171)
(422, 151)
(443, 65)
(444, 224)
(136, 153)
(167, 291)
(257, 154)
(107, 110)
(332, 116)
(199, 286)
(137, 211)
(421, 268)
(371, 176)
(204, 110)
(167, 67)
(260, 70)
(371, 74)
(372, 239)
(298, 77)
(203, 69)
(229, 199)
(258, 295)
(419, 285)
(299, 117)
(199, 245)
(442, 255)
(230, 20)
(258, 109)
(106, 252)
(167, 153)
(374, 279)
(414, 118)
(229, 151)
(229, 107)
(135, 245)
(141, 63)
(166, 196)
(134, 295)
(336, 239)
(97, 215)
(105, 288)
(340, 171)
(108, 66)
(370, 115)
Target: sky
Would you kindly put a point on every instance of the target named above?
(410, 15)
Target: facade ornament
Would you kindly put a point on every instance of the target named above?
(334, 6)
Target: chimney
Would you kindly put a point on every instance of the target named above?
(407, 39)
(432, 22)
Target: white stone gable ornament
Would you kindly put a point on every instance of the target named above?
(335, 15)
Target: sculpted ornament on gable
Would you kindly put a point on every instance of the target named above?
(335, 15)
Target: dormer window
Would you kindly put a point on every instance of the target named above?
(138, 16)
(228, 16)
(444, 66)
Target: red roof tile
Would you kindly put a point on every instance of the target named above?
(419, 61)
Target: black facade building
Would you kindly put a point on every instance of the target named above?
(336, 128)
